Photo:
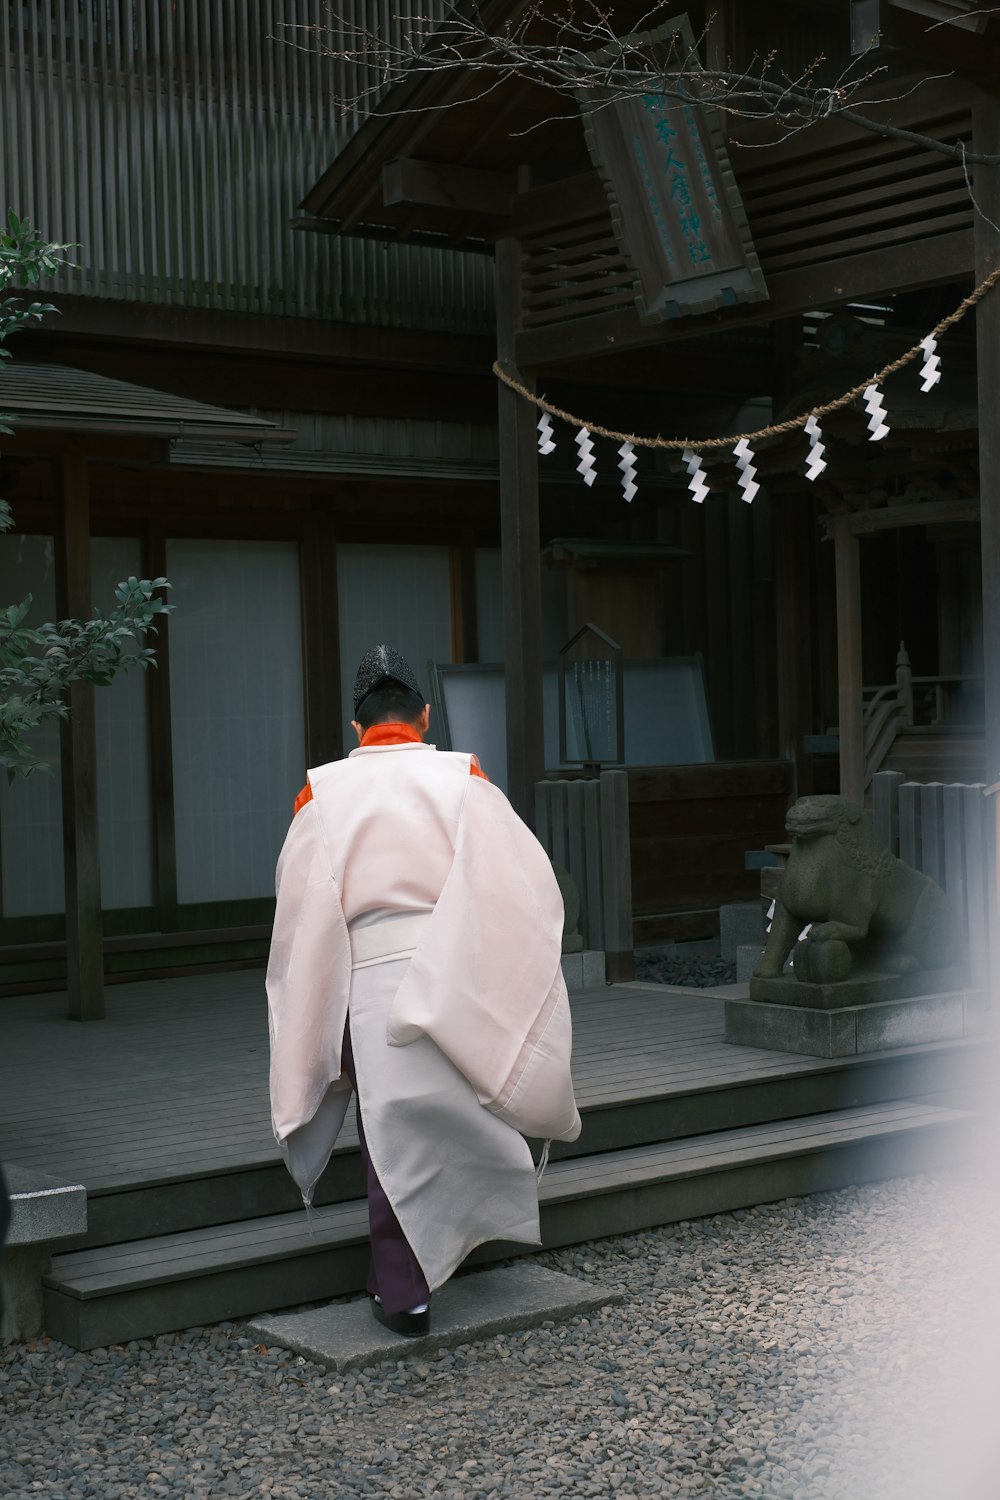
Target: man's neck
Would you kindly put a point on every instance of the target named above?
(390, 734)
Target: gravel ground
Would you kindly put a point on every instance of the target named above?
(839, 1347)
(693, 969)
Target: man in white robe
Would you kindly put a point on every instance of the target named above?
(416, 957)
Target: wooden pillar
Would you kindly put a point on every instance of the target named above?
(78, 744)
(852, 751)
(465, 610)
(986, 137)
(793, 539)
(521, 554)
(764, 715)
(161, 746)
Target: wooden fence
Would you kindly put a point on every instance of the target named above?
(948, 832)
(584, 826)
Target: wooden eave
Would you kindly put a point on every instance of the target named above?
(58, 398)
(467, 148)
(835, 214)
(454, 122)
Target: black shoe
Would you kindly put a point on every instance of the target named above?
(412, 1325)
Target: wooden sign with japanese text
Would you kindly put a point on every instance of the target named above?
(677, 212)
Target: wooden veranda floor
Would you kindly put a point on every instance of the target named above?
(161, 1111)
(173, 1084)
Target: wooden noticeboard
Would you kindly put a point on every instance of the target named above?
(677, 211)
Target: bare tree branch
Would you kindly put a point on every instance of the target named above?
(574, 53)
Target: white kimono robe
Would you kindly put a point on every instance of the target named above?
(410, 891)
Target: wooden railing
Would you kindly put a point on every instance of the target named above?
(907, 703)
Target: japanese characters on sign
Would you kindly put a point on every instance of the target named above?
(677, 212)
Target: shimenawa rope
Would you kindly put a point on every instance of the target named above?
(700, 445)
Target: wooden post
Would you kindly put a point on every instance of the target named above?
(160, 746)
(794, 526)
(521, 551)
(909, 824)
(986, 137)
(904, 684)
(465, 610)
(619, 954)
(78, 743)
(852, 750)
(885, 807)
(977, 831)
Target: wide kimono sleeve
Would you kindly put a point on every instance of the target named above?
(308, 987)
(486, 982)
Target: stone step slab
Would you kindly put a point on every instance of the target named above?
(505, 1299)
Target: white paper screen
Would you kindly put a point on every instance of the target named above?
(31, 841)
(236, 702)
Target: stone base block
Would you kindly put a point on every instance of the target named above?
(853, 1029)
(739, 922)
(468, 1308)
(21, 1270)
(42, 1209)
(748, 956)
(859, 989)
(584, 971)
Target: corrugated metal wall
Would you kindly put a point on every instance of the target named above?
(173, 139)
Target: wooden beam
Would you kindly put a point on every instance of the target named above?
(306, 338)
(946, 257)
(109, 447)
(557, 204)
(852, 754)
(78, 743)
(418, 105)
(986, 137)
(433, 184)
(895, 517)
(521, 553)
(976, 21)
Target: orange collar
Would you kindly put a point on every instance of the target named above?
(391, 734)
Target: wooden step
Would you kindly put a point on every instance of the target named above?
(948, 753)
(119, 1292)
(710, 1087)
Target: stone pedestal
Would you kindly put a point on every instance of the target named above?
(868, 1013)
(863, 988)
(740, 922)
(584, 970)
(42, 1209)
(748, 957)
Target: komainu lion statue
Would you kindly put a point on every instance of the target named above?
(867, 909)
